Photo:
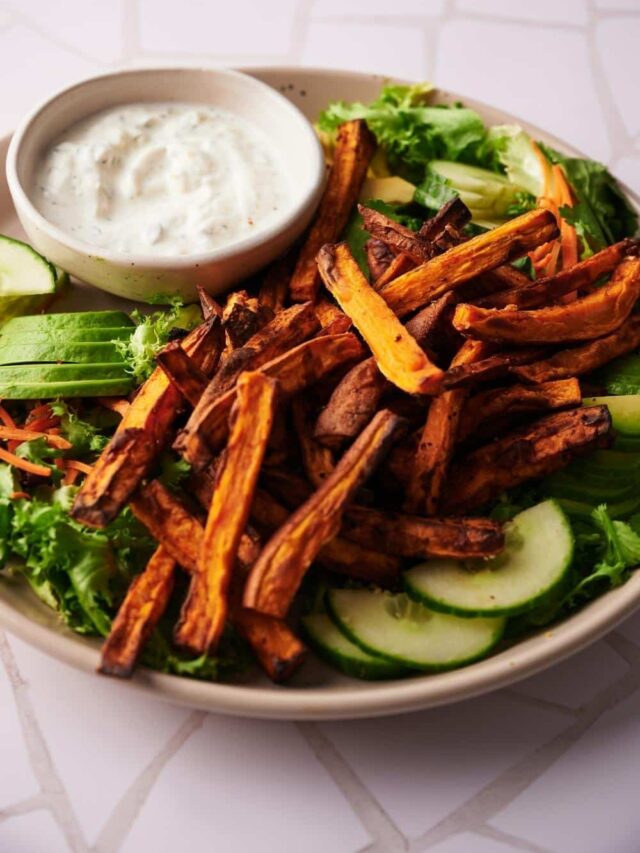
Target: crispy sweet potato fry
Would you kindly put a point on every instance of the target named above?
(276, 575)
(295, 370)
(533, 451)
(438, 441)
(494, 367)
(332, 319)
(145, 602)
(208, 304)
(242, 317)
(275, 284)
(383, 532)
(287, 329)
(355, 399)
(401, 239)
(338, 555)
(547, 290)
(453, 214)
(182, 372)
(593, 316)
(487, 406)
(205, 609)
(277, 648)
(397, 353)
(580, 360)
(142, 433)
(468, 260)
(379, 256)
(354, 149)
(400, 265)
(317, 460)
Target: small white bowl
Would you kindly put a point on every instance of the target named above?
(141, 277)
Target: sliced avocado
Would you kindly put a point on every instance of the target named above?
(61, 322)
(69, 336)
(392, 190)
(36, 381)
(60, 390)
(55, 352)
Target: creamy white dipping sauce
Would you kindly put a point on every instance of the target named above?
(161, 179)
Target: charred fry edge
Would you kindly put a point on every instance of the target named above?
(276, 575)
(182, 372)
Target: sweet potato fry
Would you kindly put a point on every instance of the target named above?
(468, 260)
(317, 460)
(142, 433)
(547, 290)
(275, 284)
(530, 452)
(208, 304)
(355, 399)
(287, 329)
(379, 257)
(295, 370)
(338, 555)
(400, 265)
(182, 372)
(593, 316)
(401, 239)
(487, 406)
(145, 602)
(381, 532)
(353, 152)
(397, 353)
(205, 609)
(494, 367)
(242, 317)
(453, 214)
(276, 647)
(580, 360)
(438, 441)
(277, 574)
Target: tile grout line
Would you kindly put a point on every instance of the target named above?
(536, 702)
(507, 786)
(123, 816)
(515, 841)
(31, 804)
(54, 794)
(385, 835)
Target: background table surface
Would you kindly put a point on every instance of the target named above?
(550, 765)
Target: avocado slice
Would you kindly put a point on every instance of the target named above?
(35, 381)
(78, 353)
(70, 336)
(69, 321)
(60, 390)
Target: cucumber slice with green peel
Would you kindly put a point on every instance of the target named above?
(66, 390)
(24, 272)
(401, 630)
(69, 336)
(61, 322)
(332, 646)
(537, 556)
(31, 352)
(624, 411)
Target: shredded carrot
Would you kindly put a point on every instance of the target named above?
(42, 424)
(6, 418)
(115, 404)
(20, 435)
(70, 477)
(14, 496)
(43, 411)
(76, 465)
(24, 464)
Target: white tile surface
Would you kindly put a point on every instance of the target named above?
(31, 833)
(542, 12)
(516, 67)
(237, 782)
(82, 716)
(365, 47)
(576, 681)
(243, 27)
(133, 775)
(587, 801)
(420, 768)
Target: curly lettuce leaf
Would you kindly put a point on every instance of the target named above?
(85, 437)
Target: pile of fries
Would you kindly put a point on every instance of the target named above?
(355, 427)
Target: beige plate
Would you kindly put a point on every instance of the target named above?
(317, 692)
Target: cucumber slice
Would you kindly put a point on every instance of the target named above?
(332, 646)
(62, 322)
(396, 628)
(537, 556)
(79, 353)
(27, 280)
(70, 336)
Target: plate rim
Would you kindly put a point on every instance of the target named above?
(377, 699)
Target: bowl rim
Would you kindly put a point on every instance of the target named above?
(370, 699)
(302, 197)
